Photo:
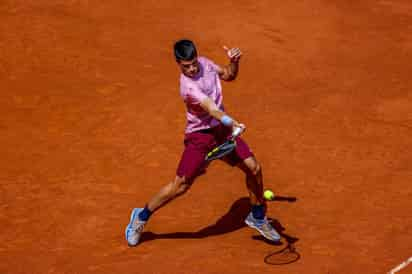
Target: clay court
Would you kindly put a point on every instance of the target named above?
(92, 125)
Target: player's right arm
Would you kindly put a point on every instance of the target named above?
(193, 95)
(210, 107)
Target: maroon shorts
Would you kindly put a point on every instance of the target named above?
(199, 143)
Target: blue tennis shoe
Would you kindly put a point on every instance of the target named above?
(264, 227)
(134, 228)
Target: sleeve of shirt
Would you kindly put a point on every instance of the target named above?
(214, 67)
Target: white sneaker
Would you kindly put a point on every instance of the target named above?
(134, 228)
(264, 227)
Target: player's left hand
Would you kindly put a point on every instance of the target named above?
(234, 54)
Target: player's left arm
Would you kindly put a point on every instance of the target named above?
(230, 71)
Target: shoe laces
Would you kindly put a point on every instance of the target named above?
(263, 223)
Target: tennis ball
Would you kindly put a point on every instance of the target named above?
(269, 195)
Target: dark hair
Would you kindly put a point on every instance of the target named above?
(185, 50)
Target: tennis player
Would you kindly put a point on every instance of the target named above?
(208, 125)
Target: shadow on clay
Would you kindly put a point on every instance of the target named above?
(231, 221)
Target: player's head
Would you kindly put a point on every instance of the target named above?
(186, 57)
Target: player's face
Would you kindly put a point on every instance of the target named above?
(189, 68)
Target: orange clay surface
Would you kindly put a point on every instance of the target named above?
(91, 125)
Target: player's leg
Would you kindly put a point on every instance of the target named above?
(140, 216)
(192, 164)
(254, 179)
(169, 192)
(243, 158)
(257, 217)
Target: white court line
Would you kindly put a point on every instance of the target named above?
(401, 266)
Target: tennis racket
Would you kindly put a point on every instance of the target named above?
(225, 148)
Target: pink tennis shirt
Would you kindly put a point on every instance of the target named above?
(193, 90)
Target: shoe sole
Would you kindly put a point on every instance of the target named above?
(132, 217)
(261, 233)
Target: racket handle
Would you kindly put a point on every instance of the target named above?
(237, 131)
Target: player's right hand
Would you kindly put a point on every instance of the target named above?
(238, 125)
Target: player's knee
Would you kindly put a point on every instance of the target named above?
(255, 168)
(181, 185)
(251, 166)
